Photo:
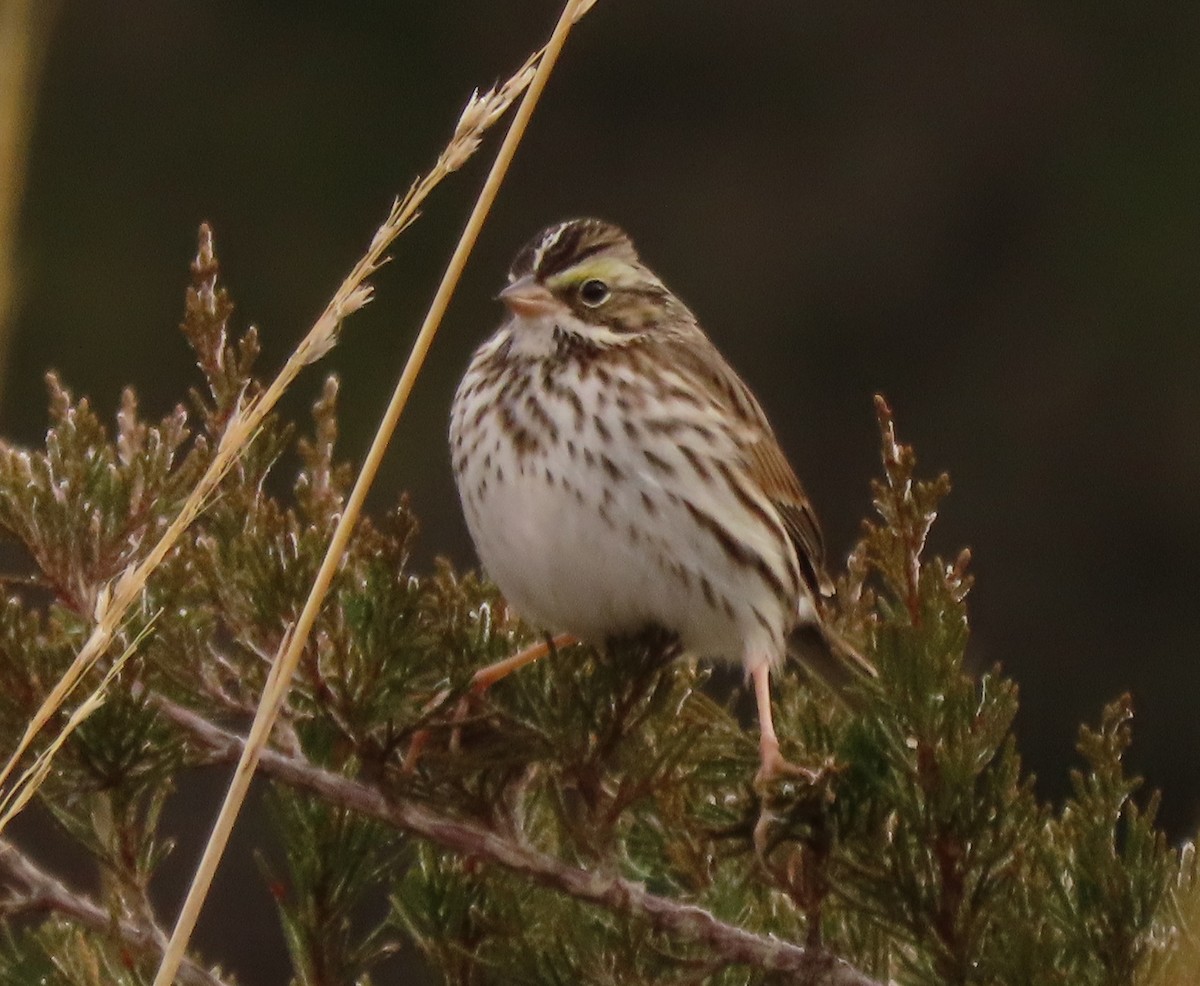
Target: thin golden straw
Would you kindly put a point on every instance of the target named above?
(115, 599)
(292, 647)
(26, 786)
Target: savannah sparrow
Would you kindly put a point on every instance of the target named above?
(616, 473)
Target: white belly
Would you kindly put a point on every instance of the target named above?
(565, 564)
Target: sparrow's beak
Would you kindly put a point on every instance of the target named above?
(527, 298)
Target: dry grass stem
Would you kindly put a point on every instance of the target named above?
(25, 787)
(479, 113)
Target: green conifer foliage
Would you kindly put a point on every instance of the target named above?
(590, 819)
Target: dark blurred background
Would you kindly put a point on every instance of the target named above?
(987, 212)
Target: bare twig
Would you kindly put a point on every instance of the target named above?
(32, 889)
(808, 967)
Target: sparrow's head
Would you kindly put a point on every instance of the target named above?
(585, 275)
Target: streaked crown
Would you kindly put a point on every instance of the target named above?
(562, 246)
(591, 269)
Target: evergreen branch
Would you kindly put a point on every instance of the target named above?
(113, 601)
(805, 966)
(33, 889)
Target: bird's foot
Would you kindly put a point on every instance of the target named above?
(773, 766)
(481, 681)
(790, 797)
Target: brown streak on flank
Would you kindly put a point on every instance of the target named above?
(762, 621)
(710, 595)
(601, 428)
(737, 551)
(630, 396)
(764, 516)
(658, 462)
(631, 430)
(727, 606)
(697, 464)
(683, 396)
(667, 427)
(649, 504)
(612, 469)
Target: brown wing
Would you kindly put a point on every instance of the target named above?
(765, 461)
(780, 484)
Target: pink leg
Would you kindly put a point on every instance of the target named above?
(771, 761)
(481, 681)
(484, 678)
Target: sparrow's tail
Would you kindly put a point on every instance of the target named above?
(828, 657)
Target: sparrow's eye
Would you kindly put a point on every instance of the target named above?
(593, 292)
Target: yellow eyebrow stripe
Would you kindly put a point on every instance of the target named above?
(605, 269)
